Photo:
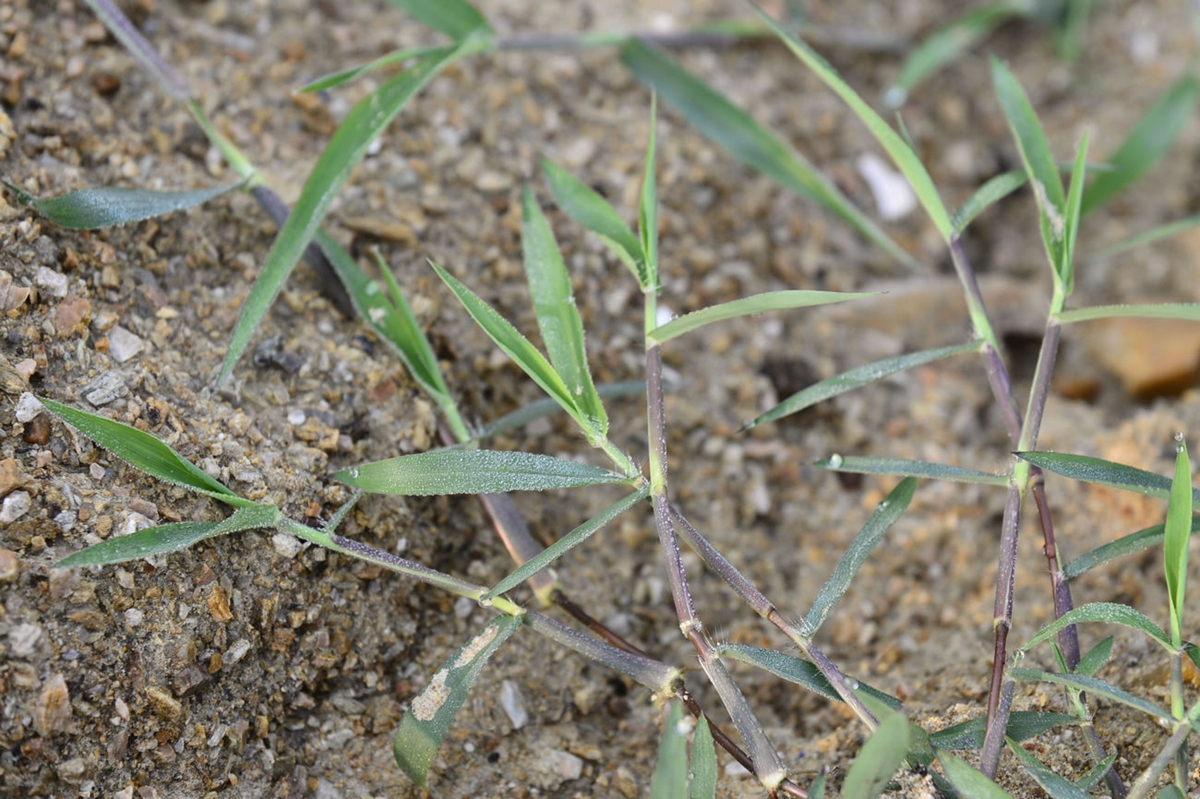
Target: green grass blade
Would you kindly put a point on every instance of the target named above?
(887, 514)
(101, 207)
(1022, 725)
(702, 783)
(897, 467)
(546, 407)
(1167, 310)
(455, 18)
(878, 759)
(557, 315)
(817, 789)
(735, 131)
(141, 544)
(1125, 545)
(759, 303)
(432, 711)
(945, 45)
(1092, 686)
(1071, 212)
(990, 193)
(1154, 234)
(1101, 472)
(858, 377)
(345, 150)
(583, 204)
(797, 671)
(1055, 786)
(143, 451)
(1037, 158)
(1096, 773)
(1148, 142)
(1104, 613)
(344, 76)
(568, 542)
(648, 204)
(969, 781)
(1096, 657)
(1177, 534)
(516, 346)
(897, 149)
(670, 774)
(472, 471)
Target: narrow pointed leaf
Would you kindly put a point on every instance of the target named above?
(887, 514)
(1096, 773)
(516, 346)
(1066, 268)
(345, 76)
(432, 711)
(472, 471)
(735, 131)
(817, 789)
(1102, 472)
(968, 780)
(648, 205)
(1022, 725)
(1037, 158)
(987, 195)
(1149, 140)
(795, 670)
(557, 315)
(1189, 311)
(580, 202)
(702, 783)
(878, 759)
(1096, 657)
(945, 45)
(1057, 787)
(1092, 686)
(670, 774)
(547, 407)
(143, 451)
(568, 542)
(345, 150)
(897, 467)
(1146, 237)
(1176, 536)
(897, 149)
(455, 18)
(101, 207)
(1125, 545)
(1102, 612)
(858, 377)
(759, 303)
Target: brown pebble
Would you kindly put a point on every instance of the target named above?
(190, 680)
(10, 475)
(10, 565)
(105, 83)
(53, 713)
(164, 705)
(90, 618)
(218, 605)
(37, 430)
(1151, 357)
(72, 315)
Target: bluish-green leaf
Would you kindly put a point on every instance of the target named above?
(472, 471)
(648, 205)
(1102, 472)
(1125, 545)
(91, 209)
(557, 315)
(759, 303)
(898, 467)
(985, 196)
(1096, 773)
(1177, 534)
(1022, 725)
(568, 542)
(737, 132)
(455, 18)
(432, 711)
(817, 789)
(897, 149)
(886, 514)
(362, 126)
(858, 377)
(1149, 140)
(1095, 658)
(1104, 613)
(143, 451)
(793, 669)
(670, 774)
(1189, 311)
(1066, 267)
(1145, 237)
(702, 782)
(580, 202)
(878, 759)
(968, 780)
(1054, 785)
(1092, 686)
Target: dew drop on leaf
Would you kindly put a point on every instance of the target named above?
(354, 472)
(835, 461)
(485, 602)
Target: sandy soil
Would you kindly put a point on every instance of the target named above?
(247, 667)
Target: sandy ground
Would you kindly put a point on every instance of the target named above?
(247, 667)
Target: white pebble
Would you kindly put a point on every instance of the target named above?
(564, 764)
(28, 408)
(53, 283)
(16, 505)
(123, 345)
(286, 544)
(893, 196)
(513, 704)
(23, 640)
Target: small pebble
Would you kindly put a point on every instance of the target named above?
(236, 652)
(10, 565)
(71, 316)
(16, 505)
(10, 475)
(28, 408)
(564, 764)
(514, 704)
(107, 387)
(51, 282)
(490, 180)
(37, 430)
(53, 713)
(893, 196)
(123, 345)
(23, 640)
(165, 706)
(286, 545)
